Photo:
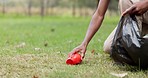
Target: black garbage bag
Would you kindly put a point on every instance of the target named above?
(129, 46)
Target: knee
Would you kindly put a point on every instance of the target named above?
(106, 48)
(108, 42)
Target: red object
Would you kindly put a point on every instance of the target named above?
(74, 59)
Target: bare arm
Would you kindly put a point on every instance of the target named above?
(96, 21)
(95, 24)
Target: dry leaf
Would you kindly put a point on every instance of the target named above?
(35, 77)
(21, 45)
(45, 44)
(37, 49)
(121, 75)
(93, 51)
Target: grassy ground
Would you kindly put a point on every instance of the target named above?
(31, 47)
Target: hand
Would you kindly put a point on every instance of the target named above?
(138, 8)
(79, 49)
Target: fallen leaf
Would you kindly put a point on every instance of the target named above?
(35, 77)
(121, 75)
(37, 49)
(99, 40)
(52, 30)
(45, 44)
(93, 51)
(21, 45)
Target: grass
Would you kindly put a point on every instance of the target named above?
(32, 47)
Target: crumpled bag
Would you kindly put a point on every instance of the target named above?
(129, 46)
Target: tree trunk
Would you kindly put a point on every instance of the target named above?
(85, 8)
(29, 7)
(42, 13)
(98, 2)
(47, 6)
(4, 7)
(74, 8)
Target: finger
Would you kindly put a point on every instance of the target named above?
(129, 10)
(134, 11)
(77, 50)
(71, 53)
(139, 13)
(74, 51)
(83, 55)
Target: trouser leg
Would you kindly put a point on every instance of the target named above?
(123, 5)
(142, 21)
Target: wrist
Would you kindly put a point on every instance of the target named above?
(84, 44)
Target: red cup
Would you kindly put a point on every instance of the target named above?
(74, 59)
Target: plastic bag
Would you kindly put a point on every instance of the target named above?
(129, 46)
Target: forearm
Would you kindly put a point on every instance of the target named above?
(96, 21)
(93, 28)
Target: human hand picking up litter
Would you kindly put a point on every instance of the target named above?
(81, 49)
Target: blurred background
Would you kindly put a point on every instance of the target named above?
(37, 35)
(53, 7)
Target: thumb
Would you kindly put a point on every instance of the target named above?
(83, 54)
(129, 10)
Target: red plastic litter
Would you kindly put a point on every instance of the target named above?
(74, 59)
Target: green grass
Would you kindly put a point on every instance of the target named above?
(35, 47)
